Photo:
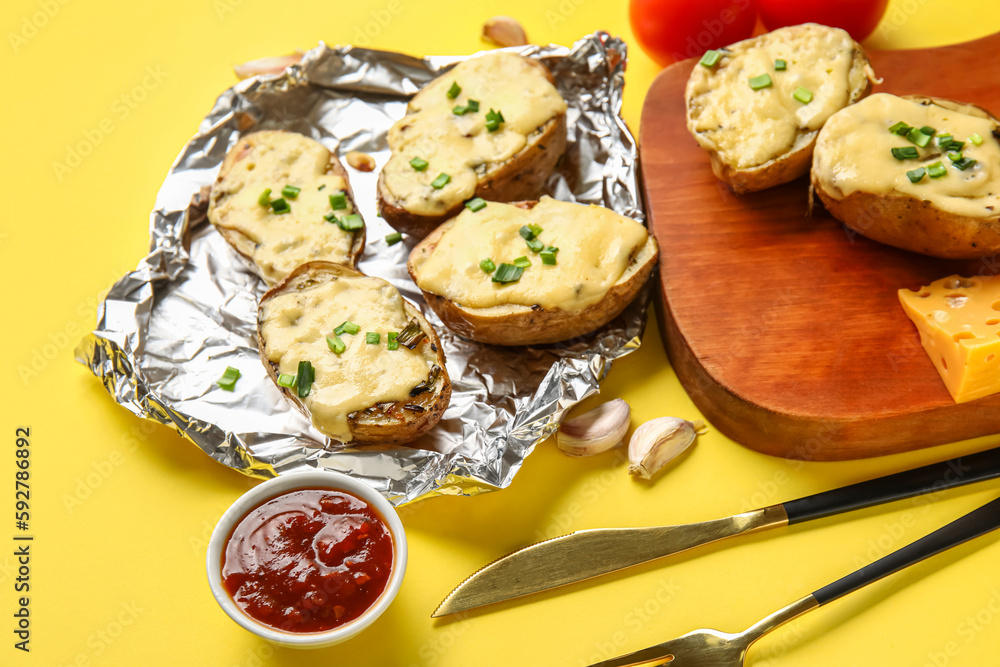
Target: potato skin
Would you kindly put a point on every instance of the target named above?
(521, 177)
(385, 423)
(906, 222)
(535, 325)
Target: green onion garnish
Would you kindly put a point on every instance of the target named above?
(350, 223)
(411, 335)
(280, 206)
(536, 245)
(391, 342)
(507, 273)
(900, 128)
(336, 345)
(780, 65)
(338, 200)
(549, 256)
(229, 378)
(442, 180)
(290, 192)
(419, 163)
(454, 90)
(394, 238)
(943, 139)
(916, 174)
(373, 337)
(964, 163)
(522, 262)
(927, 129)
(331, 217)
(487, 265)
(473, 105)
(919, 137)
(976, 139)
(347, 327)
(527, 233)
(760, 82)
(936, 170)
(286, 380)
(803, 95)
(265, 198)
(459, 110)
(954, 156)
(953, 145)
(905, 153)
(476, 204)
(493, 120)
(320, 188)
(710, 58)
(304, 378)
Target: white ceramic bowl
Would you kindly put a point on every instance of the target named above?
(318, 479)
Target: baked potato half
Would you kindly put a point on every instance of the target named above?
(533, 272)
(493, 126)
(935, 192)
(354, 356)
(282, 199)
(758, 108)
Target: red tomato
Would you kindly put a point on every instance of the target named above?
(670, 30)
(858, 17)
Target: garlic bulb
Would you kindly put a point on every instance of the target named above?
(659, 441)
(504, 31)
(596, 431)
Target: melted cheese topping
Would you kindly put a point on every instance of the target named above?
(461, 146)
(596, 247)
(854, 153)
(283, 240)
(294, 327)
(750, 127)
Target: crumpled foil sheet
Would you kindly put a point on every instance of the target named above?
(167, 330)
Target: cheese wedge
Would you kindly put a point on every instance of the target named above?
(959, 324)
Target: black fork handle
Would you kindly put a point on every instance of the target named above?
(972, 525)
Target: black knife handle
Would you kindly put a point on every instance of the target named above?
(934, 477)
(975, 523)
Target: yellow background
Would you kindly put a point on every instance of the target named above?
(121, 508)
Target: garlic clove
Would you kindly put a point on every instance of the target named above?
(596, 431)
(659, 441)
(275, 65)
(361, 161)
(504, 31)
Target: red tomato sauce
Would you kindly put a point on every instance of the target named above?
(308, 561)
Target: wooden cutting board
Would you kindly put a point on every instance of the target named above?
(786, 330)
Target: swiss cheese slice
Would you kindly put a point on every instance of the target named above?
(959, 324)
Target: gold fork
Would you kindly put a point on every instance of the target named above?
(712, 648)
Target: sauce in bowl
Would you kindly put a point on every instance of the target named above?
(309, 560)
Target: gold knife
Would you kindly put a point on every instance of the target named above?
(585, 554)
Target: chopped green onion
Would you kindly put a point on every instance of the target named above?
(442, 180)
(338, 200)
(394, 238)
(963, 164)
(280, 206)
(476, 204)
(522, 262)
(320, 188)
(331, 217)
(953, 145)
(905, 153)
(391, 342)
(936, 170)
(419, 163)
(454, 91)
(536, 245)
(493, 120)
(412, 334)
(976, 139)
(373, 337)
(535, 228)
(304, 378)
(286, 380)
(473, 105)
(351, 223)
(954, 156)
(916, 174)
(487, 265)
(943, 139)
(265, 198)
(928, 130)
(710, 58)
(761, 82)
(507, 273)
(229, 378)
(290, 192)
(919, 137)
(347, 327)
(549, 256)
(803, 95)
(780, 65)
(527, 233)
(900, 128)
(336, 345)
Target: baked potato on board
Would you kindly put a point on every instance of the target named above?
(282, 199)
(493, 126)
(581, 266)
(942, 200)
(377, 367)
(758, 107)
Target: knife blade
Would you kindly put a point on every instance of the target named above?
(585, 554)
